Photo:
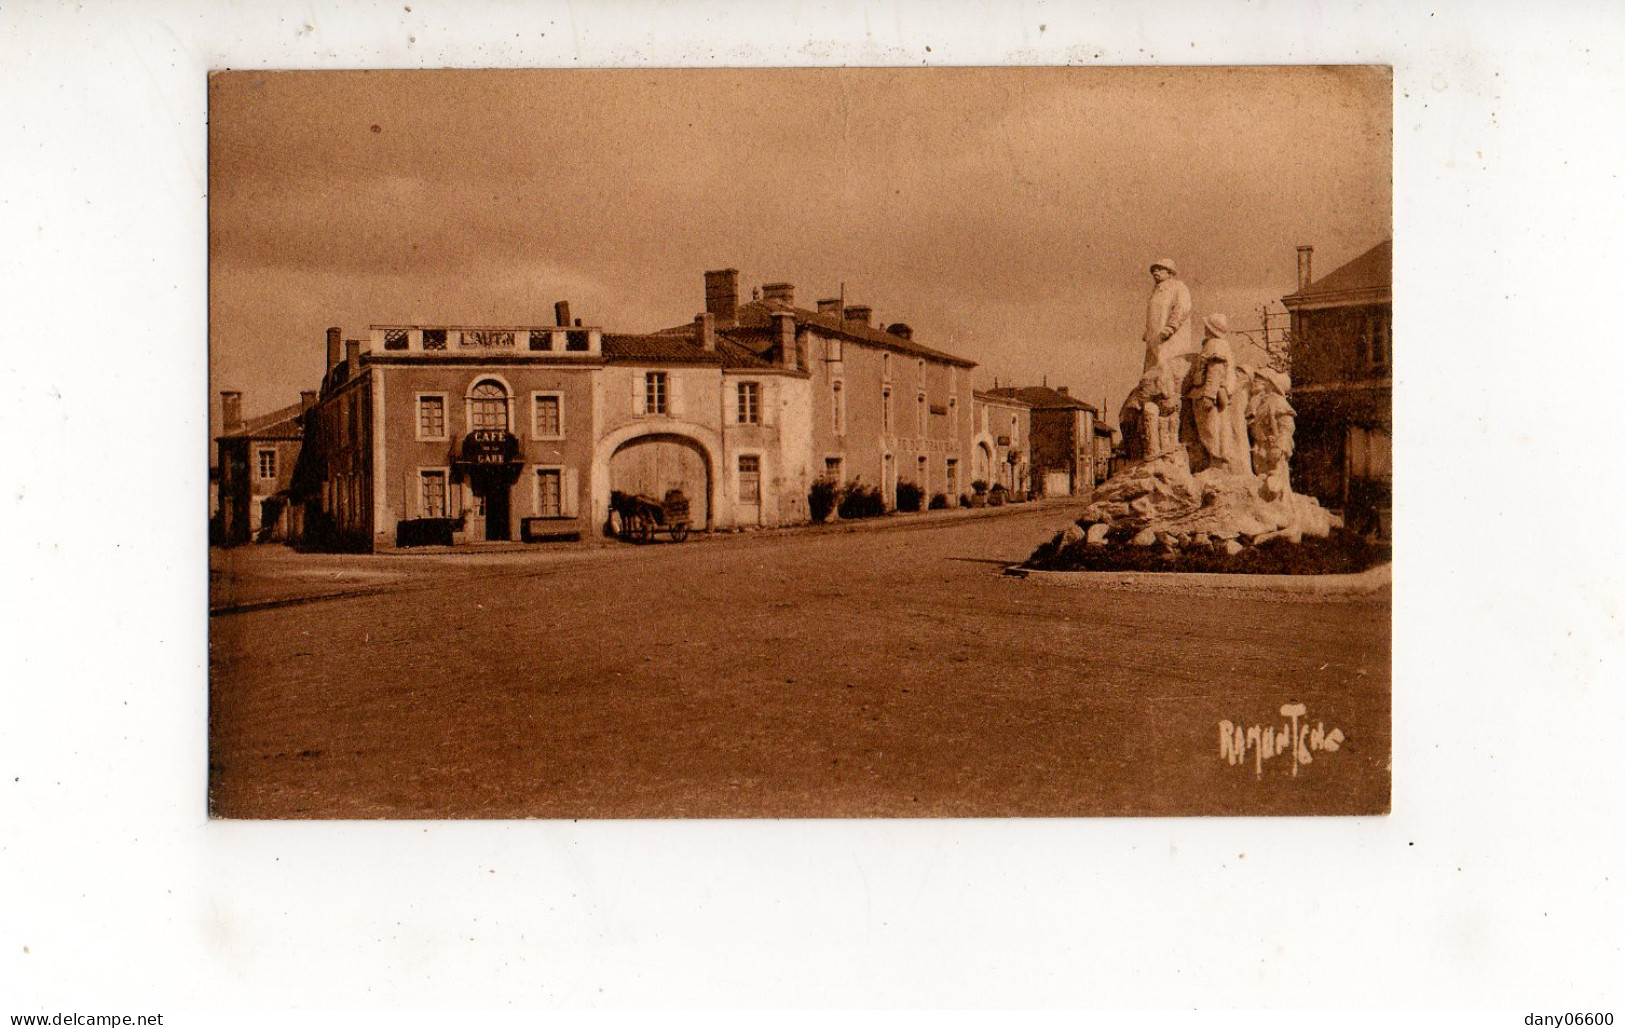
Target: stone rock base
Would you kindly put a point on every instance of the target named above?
(1160, 497)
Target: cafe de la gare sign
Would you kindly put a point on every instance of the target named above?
(490, 446)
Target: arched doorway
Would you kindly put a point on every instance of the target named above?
(651, 465)
(983, 468)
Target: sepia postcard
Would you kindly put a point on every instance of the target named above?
(794, 443)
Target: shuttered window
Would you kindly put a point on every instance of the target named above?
(750, 479)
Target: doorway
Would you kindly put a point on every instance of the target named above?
(496, 510)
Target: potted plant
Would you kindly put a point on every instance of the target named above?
(995, 496)
(978, 493)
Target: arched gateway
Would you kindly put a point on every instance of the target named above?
(652, 459)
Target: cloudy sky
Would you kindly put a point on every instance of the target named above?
(1008, 215)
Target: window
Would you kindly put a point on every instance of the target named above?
(885, 409)
(749, 404)
(267, 463)
(750, 479)
(488, 406)
(838, 406)
(832, 469)
(924, 473)
(1376, 339)
(434, 339)
(395, 339)
(550, 492)
(432, 493)
(431, 417)
(655, 392)
(834, 347)
(576, 341)
(547, 416)
(953, 477)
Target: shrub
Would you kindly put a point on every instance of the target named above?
(1343, 552)
(861, 502)
(978, 487)
(909, 496)
(821, 499)
(964, 499)
(939, 502)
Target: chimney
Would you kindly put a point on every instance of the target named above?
(784, 328)
(1063, 390)
(561, 313)
(900, 330)
(832, 307)
(705, 329)
(231, 410)
(859, 313)
(722, 296)
(335, 348)
(1306, 257)
(307, 399)
(783, 292)
(352, 355)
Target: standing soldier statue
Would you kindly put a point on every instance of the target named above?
(1167, 315)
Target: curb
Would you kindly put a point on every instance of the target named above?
(1285, 587)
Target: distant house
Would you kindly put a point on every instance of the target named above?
(1342, 384)
(256, 462)
(1105, 437)
(1062, 445)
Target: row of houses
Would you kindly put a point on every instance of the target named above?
(520, 431)
(512, 432)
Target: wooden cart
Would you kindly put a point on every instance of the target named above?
(642, 516)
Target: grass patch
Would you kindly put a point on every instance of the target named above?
(1341, 553)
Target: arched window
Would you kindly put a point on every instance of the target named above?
(488, 406)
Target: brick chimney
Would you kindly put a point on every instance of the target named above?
(859, 313)
(832, 307)
(352, 355)
(1306, 258)
(722, 296)
(561, 313)
(784, 329)
(335, 348)
(783, 292)
(231, 410)
(900, 330)
(705, 330)
(307, 399)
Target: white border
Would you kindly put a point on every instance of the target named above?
(1495, 881)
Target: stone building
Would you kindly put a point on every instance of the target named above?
(1342, 384)
(884, 408)
(446, 433)
(255, 460)
(1063, 448)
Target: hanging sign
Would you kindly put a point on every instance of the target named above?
(490, 446)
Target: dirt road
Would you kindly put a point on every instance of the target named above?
(887, 673)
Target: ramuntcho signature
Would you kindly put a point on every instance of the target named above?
(1294, 737)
